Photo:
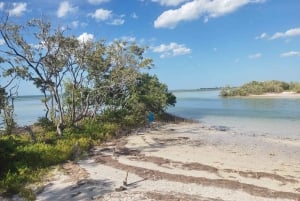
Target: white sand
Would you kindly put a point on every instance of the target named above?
(186, 162)
(278, 95)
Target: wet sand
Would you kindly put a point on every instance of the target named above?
(186, 161)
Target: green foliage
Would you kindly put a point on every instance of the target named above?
(7, 110)
(258, 88)
(45, 123)
(295, 86)
(99, 130)
(22, 161)
(149, 95)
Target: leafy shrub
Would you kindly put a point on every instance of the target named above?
(295, 87)
(23, 161)
(99, 130)
(46, 124)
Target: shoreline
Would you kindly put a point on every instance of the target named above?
(277, 95)
(183, 161)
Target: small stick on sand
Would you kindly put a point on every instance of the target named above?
(125, 180)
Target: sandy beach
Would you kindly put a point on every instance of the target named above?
(185, 161)
(277, 95)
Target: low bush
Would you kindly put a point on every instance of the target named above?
(45, 123)
(23, 161)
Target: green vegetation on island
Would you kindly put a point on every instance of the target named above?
(259, 88)
(92, 92)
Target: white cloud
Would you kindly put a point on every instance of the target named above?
(290, 54)
(117, 22)
(64, 8)
(288, 33)
(2, 42)
(18, 9)
(255, 56)
(97, 2)
(172, 49)
(194, 9)
(169, 2)
(84, 37)
(1, 5)
(101, 14)
(262, 36)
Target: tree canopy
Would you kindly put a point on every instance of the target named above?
(81, 79)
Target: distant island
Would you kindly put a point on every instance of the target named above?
(261, 88)
(199, 89)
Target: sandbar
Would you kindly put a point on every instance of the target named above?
(277, 95)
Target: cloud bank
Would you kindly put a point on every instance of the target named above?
(199, 8)
(290, 54)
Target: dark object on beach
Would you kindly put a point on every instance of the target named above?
(221, 128)
(121, 188)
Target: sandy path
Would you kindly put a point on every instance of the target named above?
(184, 162)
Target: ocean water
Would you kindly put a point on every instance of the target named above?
(255, 116)
(259, 116)
(27, 110)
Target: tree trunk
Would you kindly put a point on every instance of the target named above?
(59, 129)
(60, 124)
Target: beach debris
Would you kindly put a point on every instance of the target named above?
(75, 194)
(121, 188)
(221, 128)
(125, 180)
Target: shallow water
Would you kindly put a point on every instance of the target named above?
(260, 116)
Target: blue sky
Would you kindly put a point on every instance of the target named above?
(194, 43)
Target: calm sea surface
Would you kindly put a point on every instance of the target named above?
(261, 116)
(27, 109)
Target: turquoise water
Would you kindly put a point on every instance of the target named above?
(259, 116)
(262, 116)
